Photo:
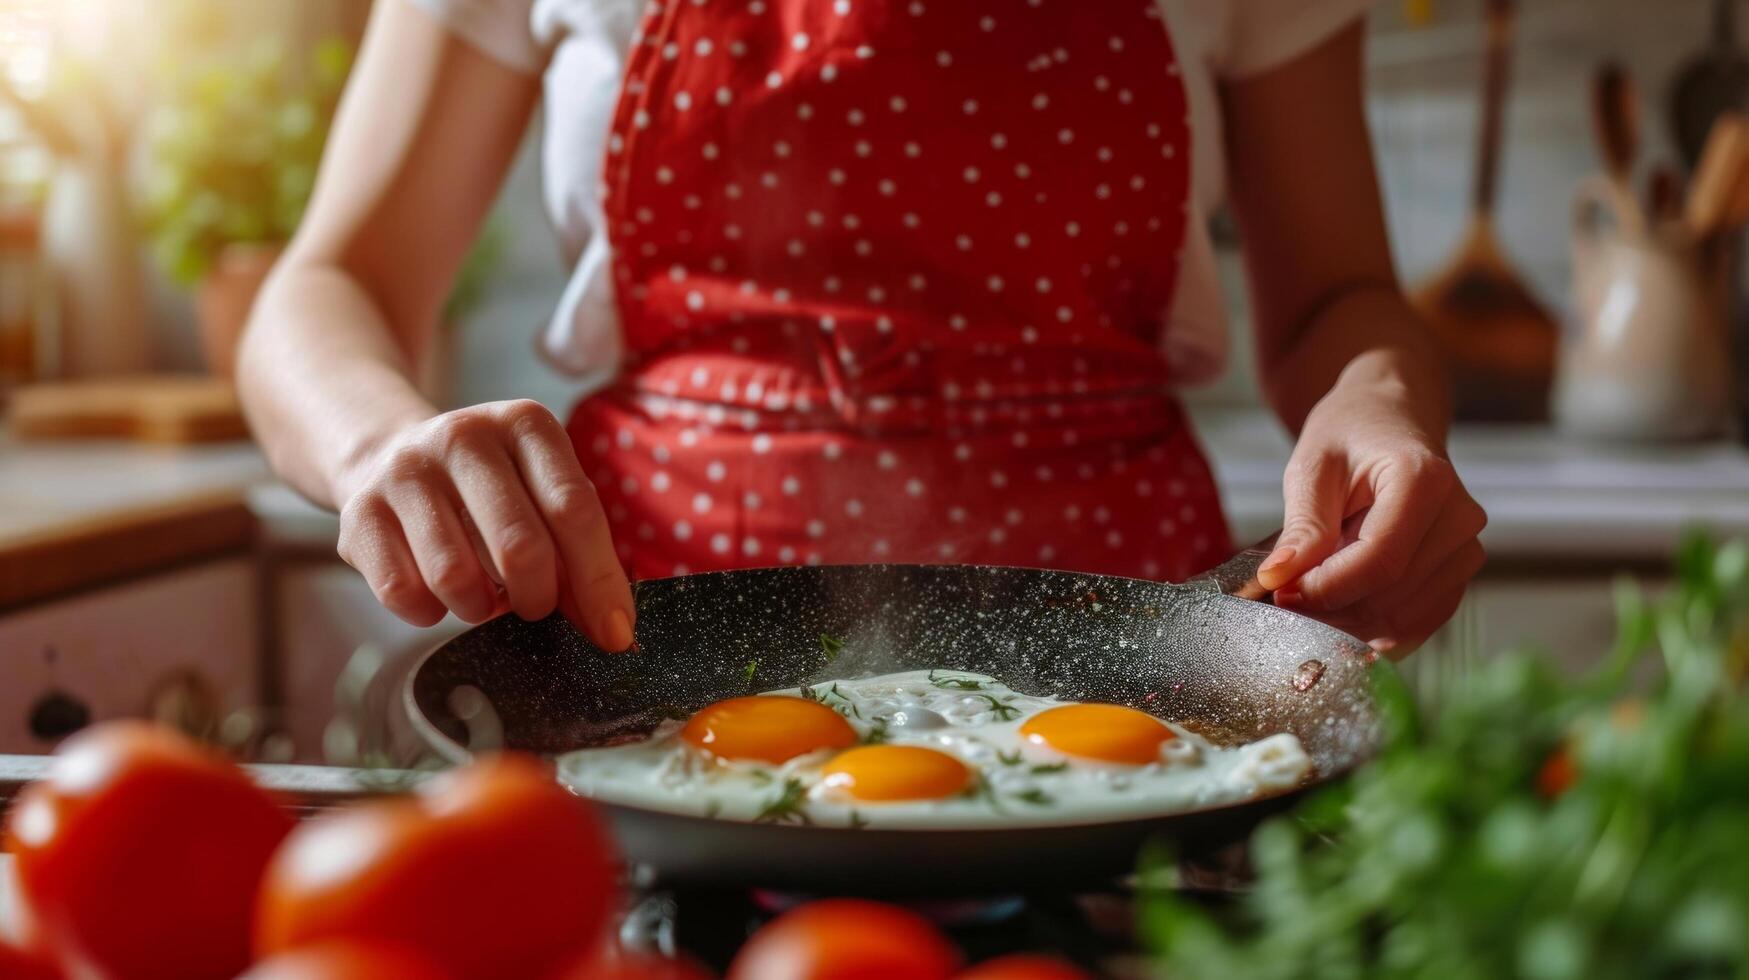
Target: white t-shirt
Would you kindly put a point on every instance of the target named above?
(580, 47)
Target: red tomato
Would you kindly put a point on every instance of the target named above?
(342, 960)
(492, 871)
(1025, 966)
(846, 939)
(16, 964)
(140, 853)
(1557, 773)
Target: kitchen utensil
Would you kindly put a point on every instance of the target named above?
(1663, 195)
(1713, 81)
(1724, 166)
(1498, 340)
(1231, 668)
(1650, 358)
(1615, 114)
(150, 408)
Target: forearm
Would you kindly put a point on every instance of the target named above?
(323, 379)
(1364, 339)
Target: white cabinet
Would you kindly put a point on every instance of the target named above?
(182, 641)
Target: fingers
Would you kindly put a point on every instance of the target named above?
(1409, 616)
(371, 541)
(1458, 524)
(512, 531)
(443, 551)
(598, 590)
(1408, 498)
(1314, 492)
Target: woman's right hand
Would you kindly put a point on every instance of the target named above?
(481, 510)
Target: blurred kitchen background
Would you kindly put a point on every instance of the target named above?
(154, 154)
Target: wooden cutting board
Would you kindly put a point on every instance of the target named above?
(178, 409)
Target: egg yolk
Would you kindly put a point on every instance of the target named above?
(767, 729)
(1107, 732)
(884, 773)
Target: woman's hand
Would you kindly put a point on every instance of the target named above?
(1380, 536)
(481, 510)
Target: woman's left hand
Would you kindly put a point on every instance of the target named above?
(1380, 536)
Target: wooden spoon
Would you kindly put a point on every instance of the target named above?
(1498, 339)
(1615, 115)
(1712, 206)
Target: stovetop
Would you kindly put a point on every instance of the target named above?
(1093, 929)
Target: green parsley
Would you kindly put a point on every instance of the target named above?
(788, 806)
(831, 646)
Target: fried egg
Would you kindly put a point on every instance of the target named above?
(929, 749)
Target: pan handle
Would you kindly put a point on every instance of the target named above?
(1237, 576)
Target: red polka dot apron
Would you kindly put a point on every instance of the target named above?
(891, 278)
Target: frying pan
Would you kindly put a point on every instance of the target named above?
(1228, 667)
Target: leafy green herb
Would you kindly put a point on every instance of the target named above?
(856, 712)
(1037, 797)
(761, 776)
(788, 806)
(844, 706)
(751, 669)
(1009, 758)
(877, 731)
(1045, 769)
(957, 683)
(1004, 710)
(831, 646)
(982, 790)
(857, 821)
(1531, 823)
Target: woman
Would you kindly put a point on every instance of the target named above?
(880, 281)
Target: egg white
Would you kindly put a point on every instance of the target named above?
(972, 717)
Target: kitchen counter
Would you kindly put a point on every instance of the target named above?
(78, 514)
(1549, 499)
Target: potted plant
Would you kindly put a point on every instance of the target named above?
(230, 157)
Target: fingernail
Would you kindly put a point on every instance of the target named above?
(1278, 558)
(616, 631)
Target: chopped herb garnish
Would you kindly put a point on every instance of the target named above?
(957, 683)
(761, 776)
(877, 732)
(788, 806)
(831, 646)
(751, 669)
(857, 821)
(1009, 758)
(1004, 710)
(847, 702)
(1037, 797)
(847, 709)
(1045, 769)
(981, 789)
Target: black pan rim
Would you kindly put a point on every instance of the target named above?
(457, 754)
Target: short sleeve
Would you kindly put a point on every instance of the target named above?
(1262, 34)
(501, 29)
